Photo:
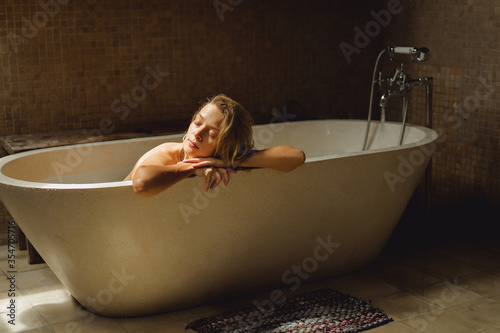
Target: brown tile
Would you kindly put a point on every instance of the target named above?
(62, 310)
(26, 320)
(406, 278)
(483, 312)
(447, 293)
(452, 248)
(403, 306)
(365, 286)
(441, 322)
(96, 325)
(394, 327)
(41, 330)
(446, 267)
(486, 284)
(144, 323)
(481, 259)
(495, 271)
(36, 278)
(490, 330)
(173, 327)
(22, 302)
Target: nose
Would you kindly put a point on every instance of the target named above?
(197, 134)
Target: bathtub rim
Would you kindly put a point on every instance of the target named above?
(430, 136)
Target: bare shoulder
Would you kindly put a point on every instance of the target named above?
(165, 153)
(169, 147)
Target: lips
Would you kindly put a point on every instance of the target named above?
(193, 145)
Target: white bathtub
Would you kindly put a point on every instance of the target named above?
(120, 254)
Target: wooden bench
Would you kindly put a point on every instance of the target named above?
(18, 143)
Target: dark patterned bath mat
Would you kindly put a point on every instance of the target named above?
(323, 310)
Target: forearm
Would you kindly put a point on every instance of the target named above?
(281, 158)
(149, 180)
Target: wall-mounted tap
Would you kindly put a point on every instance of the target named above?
(400, 84)
(385, 97)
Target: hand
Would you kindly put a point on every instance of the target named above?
(204, 162)
(214, 170)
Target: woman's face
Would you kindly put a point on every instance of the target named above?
(201, 137)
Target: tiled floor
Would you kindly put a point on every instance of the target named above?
(453, 287)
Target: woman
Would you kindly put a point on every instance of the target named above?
(218, 141)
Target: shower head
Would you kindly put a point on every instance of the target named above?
(421, 54)
(402, 50)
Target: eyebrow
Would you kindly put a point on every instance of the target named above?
(212, 127)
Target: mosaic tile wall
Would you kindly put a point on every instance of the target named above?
(464, 39)
(68, 64)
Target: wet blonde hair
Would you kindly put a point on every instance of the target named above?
(234, 141)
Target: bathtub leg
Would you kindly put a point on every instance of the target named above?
(34, 257)
(24, 244)
(21, 239)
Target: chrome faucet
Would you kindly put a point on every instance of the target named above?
(400, 84)
(395, 85)
(400, 80)
(384, 99)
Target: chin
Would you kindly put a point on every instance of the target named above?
(187, 150)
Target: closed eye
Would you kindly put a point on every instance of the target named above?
(198, 121)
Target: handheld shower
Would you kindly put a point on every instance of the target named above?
(420, 54)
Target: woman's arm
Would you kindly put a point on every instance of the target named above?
(158, 169)
(149, 180)
(281, 158)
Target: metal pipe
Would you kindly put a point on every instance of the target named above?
(404, 105)
(428, 92)
(428, 170)
(371, 99)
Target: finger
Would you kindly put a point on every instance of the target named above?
(202, 164)
(218, 178)
(195, 163)
(225, 174)
(198, 165)
(208, 179)
(192, 160)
